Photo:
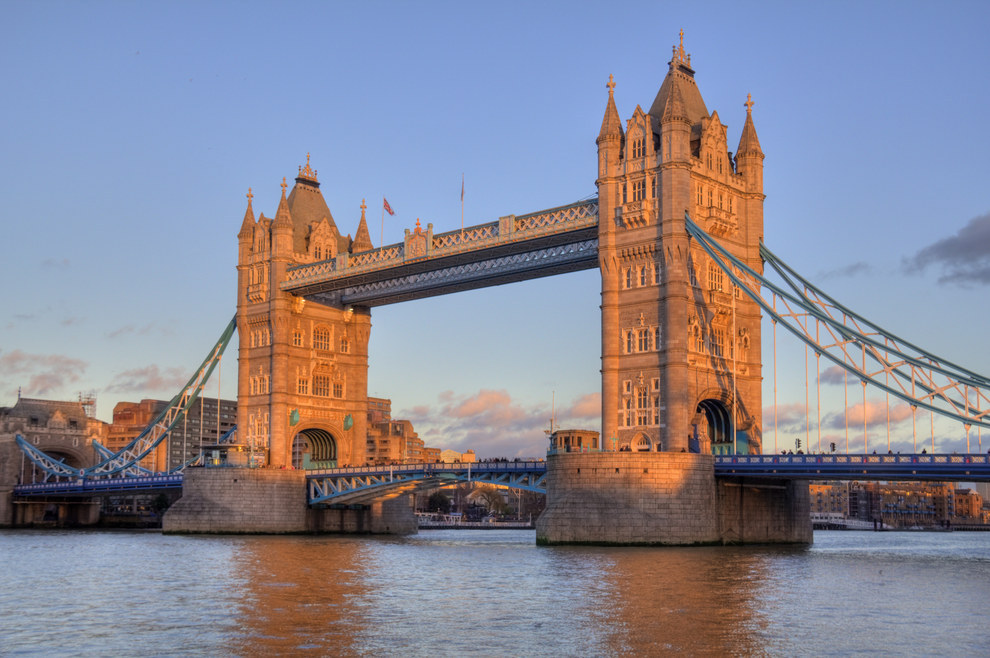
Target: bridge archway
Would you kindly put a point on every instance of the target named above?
(314, 448)
(641, 443)
(716, 425)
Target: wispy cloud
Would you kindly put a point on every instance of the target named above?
(963, 258)
(860, 268)
(40, 374)
(55, 264)
(789, 418)
(494, 425)
(149, 379)
(875, 411)
(130, 329)
(834, 375)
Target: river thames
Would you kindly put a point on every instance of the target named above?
(491, 593)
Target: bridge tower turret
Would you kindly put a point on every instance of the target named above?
(302, 367)
(680, 350)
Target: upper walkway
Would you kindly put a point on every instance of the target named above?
(553, 241)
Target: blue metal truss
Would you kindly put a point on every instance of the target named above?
(859, 346)
(364, 485)
(124, 463)
(942, 468)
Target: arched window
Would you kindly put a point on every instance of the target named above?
(321, 339)
(642, 275)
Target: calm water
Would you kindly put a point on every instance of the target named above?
(491, 593)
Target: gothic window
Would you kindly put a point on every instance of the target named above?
(720, 165)
(655, 384)
(656, 338)
(321, 385)
(639, 190)
(321, 339)
(718, 342)
(696, 339)
(644, 340)
(715, 281)
(345, 346)
(656, 274)
(627, 385)
(338, 390)
(710, 198)
(656, 409)
(720, 200)
(642, 275)
(701, 194)
(629, 413)
(297, 338)
(317, 252)
(624, 200)
(302, 388)
(629, 278)
(629, 344)
(641, 407)
(656, 184)
(730, 204)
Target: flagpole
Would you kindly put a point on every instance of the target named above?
(382, 243)
(462, 206)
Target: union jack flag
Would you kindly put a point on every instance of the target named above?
(388, 208)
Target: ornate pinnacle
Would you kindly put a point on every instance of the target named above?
(249, 195)
(610, 84)
(749, 103)
(307, 172)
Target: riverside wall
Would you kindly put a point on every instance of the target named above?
(664, 498)
(269, 501)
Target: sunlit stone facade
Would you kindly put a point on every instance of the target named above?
(302, 368)
(680, 350)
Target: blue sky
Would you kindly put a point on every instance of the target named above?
(133, 130)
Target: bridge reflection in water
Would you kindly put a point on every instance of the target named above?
(456, 592)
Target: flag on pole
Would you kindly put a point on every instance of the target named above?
(388, 208)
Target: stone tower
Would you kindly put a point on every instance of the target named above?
(681, 363)
(302, 368)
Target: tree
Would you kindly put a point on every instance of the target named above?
(491, 497)
(439, 502)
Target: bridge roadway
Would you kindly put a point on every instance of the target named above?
(362, 485)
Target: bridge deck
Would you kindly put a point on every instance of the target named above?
(355, 485)
(553, 241)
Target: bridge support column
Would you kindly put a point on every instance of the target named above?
(273, 501)
(395, 516)
(665, 498)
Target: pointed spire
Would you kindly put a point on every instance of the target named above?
(611, 124)
(282, 215)
(247, 226)
(362, 239)
(674, 109)
(749, 144)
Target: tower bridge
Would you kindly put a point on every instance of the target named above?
(676, 231)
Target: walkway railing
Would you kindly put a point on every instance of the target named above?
(951, 467)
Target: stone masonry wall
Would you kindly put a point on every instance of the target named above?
(754, 511)
(239, 500)
(629, 498)
(666, 498)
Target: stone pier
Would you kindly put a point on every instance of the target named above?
(665, 498)
(273, 501)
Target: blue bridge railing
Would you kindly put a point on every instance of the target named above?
(964, 468)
